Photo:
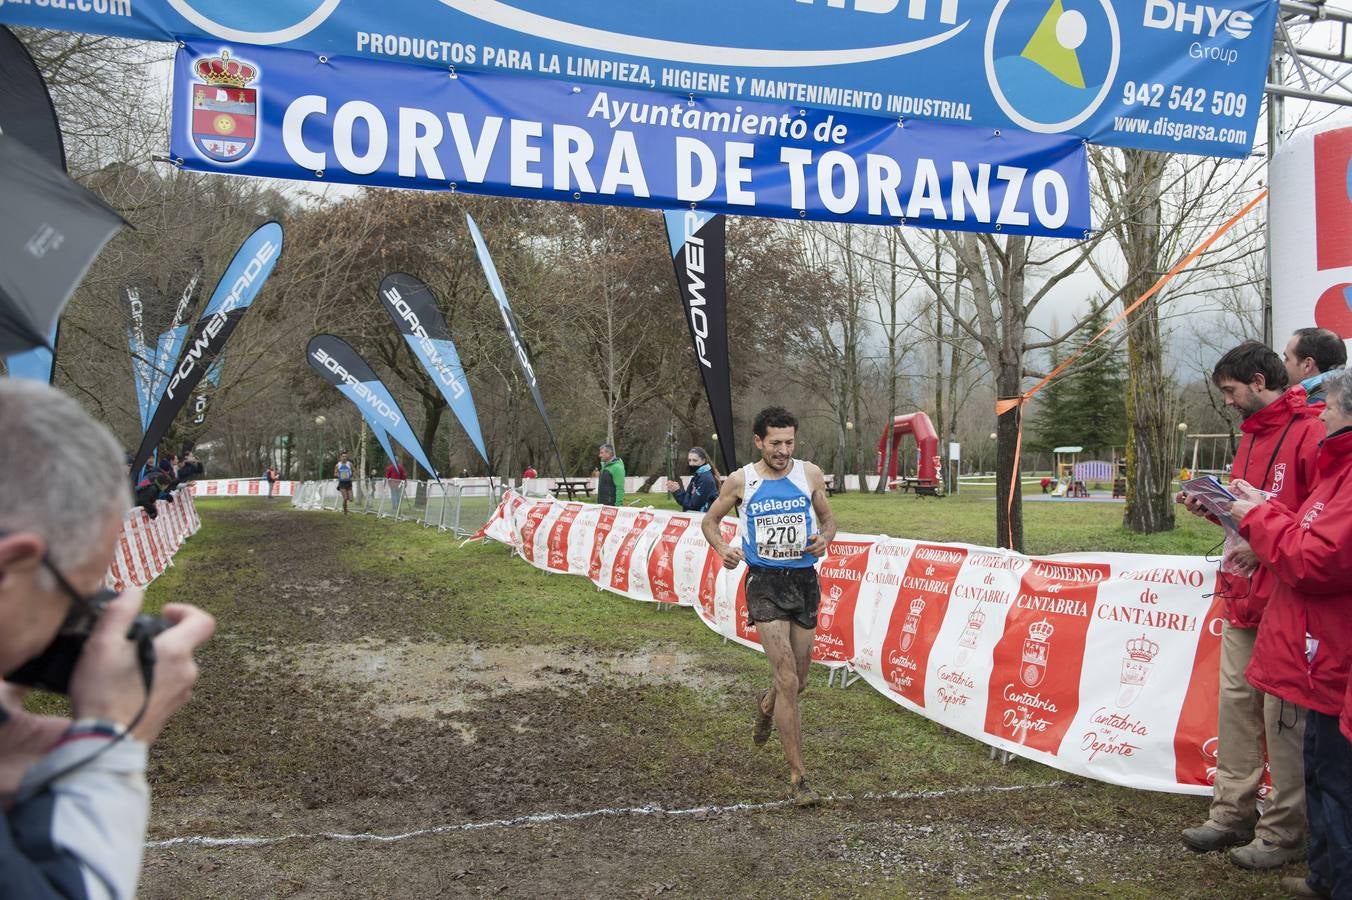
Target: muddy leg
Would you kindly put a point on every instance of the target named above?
(779, 649)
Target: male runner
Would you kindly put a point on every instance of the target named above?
(344, 471)
(787, 525)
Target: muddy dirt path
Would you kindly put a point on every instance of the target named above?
(345, 697)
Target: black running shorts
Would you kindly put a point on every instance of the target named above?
(779, 594)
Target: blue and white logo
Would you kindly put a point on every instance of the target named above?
(1052, 77)
(256, 21)
(513, 17)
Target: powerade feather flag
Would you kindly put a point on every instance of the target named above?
(236, 290)
(170, 344)
(142, 359)
(341, 366)
(416, 315)
(513, 330)
(698, 250)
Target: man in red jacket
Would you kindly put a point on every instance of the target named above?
(1304, 648)
(395, 475)
(1276, 454)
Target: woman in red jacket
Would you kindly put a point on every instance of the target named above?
(1304, 647)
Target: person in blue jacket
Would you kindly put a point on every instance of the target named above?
(703, 483)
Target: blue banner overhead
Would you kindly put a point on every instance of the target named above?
(285, 114)
(1153, 74)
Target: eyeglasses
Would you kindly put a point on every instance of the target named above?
(84, 609)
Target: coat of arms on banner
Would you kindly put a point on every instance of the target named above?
(826, 611)
(1135, 669)
(912, 624)
(1036, 652)
(971, 633)
(224, 108)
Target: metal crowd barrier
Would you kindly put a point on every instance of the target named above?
(460, 506)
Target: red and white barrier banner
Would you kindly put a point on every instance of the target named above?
(1104, 665)
(147, 546)
(242, 487)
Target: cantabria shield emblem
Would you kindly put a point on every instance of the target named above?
(1036, 651)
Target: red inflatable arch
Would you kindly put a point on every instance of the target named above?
(919, 425)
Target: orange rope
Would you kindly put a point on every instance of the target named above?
(1004, 406)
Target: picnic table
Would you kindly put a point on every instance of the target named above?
(572, 487)
(831, 488)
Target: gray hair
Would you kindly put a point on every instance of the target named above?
(1338, 384)
(608, 448)
(64, 473)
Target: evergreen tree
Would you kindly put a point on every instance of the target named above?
(1054, 419)
(1098, 391)
(1085, 405)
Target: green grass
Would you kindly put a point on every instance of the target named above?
(1052, 526)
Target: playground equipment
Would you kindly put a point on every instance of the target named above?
(927, 440)
(1066, 460)
(1217, 454)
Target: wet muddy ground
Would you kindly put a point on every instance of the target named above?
(387, 715)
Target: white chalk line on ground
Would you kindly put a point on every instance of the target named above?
(549, 818)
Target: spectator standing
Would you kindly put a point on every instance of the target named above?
(271, 475)
(610, 477)
(395, 476)
(1277, 454)
(1311, 355)
(72, 789)
(703, 487)
(1304, 648)
(530, 472)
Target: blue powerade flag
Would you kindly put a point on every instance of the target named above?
(169, 346)
(341, 366)
(414, 310)
(357, 121)
(513, 332)
(239, 285)
(143, 359)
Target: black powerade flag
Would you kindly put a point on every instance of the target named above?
(236, 290)
(698, 250)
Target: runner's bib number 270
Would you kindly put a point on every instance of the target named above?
(781, 536)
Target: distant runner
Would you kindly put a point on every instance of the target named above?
(787, 525)
(344, 471)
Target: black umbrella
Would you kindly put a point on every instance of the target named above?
(50, 231)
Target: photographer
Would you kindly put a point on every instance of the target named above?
(73, 791)
(703, 488)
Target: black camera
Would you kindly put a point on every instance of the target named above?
(52, 668)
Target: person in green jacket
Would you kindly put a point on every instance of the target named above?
(610, 483)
